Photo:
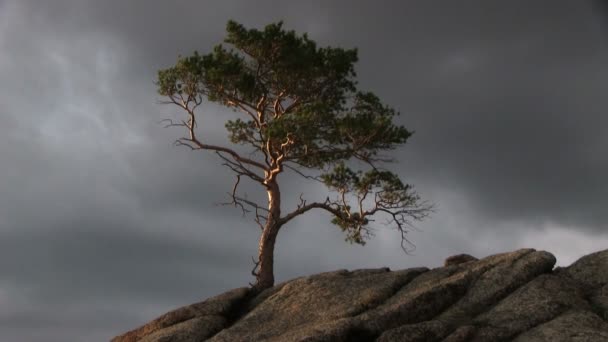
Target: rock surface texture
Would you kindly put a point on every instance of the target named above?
(515, 296)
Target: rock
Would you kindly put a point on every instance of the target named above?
(537, 302)
(302, 306)
(498, 277)
(417, 332)
(509, 296)
(190, 323)
(461, 334)
(572, 326)
(590, 270)
(459, 259)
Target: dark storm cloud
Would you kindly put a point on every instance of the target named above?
(601, 13)
(106, 225)
(83, 246)
(506, 100)
(93, 287)
(518, 123)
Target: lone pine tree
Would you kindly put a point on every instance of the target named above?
(303, 112)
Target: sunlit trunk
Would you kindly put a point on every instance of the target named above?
(265, 275)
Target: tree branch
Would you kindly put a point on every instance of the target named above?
(238, 201)
(401, 214)
(239, 104)
(315, 178)
(194, 143)
(240, 169)
(304, 208)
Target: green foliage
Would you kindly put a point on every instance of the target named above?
(241, 132)
(390, 192)
(331, 121)
(265, 61)
(283, 60)
(212, 75)
(303, 105)
(388, 185)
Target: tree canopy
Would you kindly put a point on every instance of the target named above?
(302, 110)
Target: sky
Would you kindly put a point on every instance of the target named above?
(105, 225)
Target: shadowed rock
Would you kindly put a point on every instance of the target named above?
(503, 297)
(190, 323)
(459, 259)
(301, 307)
(572, 326)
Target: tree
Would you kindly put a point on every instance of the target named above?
(302, 112)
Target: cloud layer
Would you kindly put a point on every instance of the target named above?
(104, 225)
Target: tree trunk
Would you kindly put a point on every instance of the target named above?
(265, 275)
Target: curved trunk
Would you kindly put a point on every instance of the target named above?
(265, 274)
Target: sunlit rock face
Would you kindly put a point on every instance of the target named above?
(515, 296)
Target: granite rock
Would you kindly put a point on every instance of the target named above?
(515, 296)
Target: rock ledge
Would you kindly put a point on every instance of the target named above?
(515, 296)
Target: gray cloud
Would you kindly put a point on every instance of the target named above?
(104, 225)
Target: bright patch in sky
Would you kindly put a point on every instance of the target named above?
(568, 244)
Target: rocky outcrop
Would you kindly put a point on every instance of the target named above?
(515, 296)
(459, 259)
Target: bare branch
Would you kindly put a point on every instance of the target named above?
(239, 104)
(235, 201)
(304, 208)
(171, 123)
(184, 142)
(259, 217)
(315, 178)
(239, 201)
(261, 106)
(292, 106)
(239, 168)
(193, 141)
(400, 214)
(234, 155)
(302, 201)
(277, 106)
(254, 271)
